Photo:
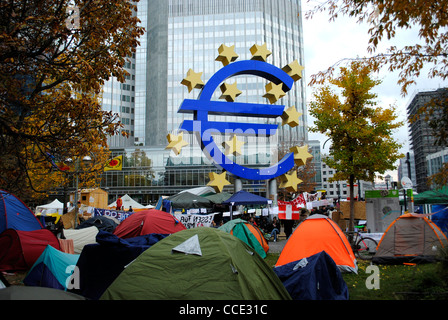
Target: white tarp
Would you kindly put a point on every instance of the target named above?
(81, 237)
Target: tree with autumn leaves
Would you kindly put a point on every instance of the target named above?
(360, 131)
(55, 55)
(385, 20)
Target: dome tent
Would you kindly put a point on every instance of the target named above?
(248, 233)
(50, 269)
(313, 278)
(147, 222)
(14, 214)
(315, 234)
(220, 267)
(410, 238)
(19, 249)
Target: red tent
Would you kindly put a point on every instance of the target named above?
(147, 222)
(20, 249)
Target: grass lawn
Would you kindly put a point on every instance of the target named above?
(396, 282)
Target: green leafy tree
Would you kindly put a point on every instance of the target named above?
(429, 53)
(360, 131)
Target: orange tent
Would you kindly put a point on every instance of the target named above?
(319, 233)
(248, 233)
(259, 235)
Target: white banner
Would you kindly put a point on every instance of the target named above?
(195, 220)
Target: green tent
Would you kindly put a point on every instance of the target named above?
(439, 196)
(218, 198)
(239, 229)
(187, 200)
(198, 264)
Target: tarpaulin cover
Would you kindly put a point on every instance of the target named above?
(100, 263)
(313, 278)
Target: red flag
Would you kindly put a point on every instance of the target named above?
(288, 212)
(299, 202)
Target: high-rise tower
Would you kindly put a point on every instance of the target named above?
(186, 34)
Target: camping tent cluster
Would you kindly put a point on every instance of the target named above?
(154, 254)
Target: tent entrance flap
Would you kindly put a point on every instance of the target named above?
(189, 246)
(409, 239)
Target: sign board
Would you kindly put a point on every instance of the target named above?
(382, 208)
(406, 183)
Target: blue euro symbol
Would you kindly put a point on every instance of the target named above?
(203, 106)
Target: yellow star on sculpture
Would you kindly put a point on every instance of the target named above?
(226, 54)
(233, 146)
(193, 80)
(229, 92)
(217, 181)
(294, 70)
(176, 142)
(274, 92)
(301, 154)
(260, 53)
(291, 117)
(290, 182)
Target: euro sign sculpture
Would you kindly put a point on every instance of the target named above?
(204, 106)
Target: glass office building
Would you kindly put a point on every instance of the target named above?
(186, 34)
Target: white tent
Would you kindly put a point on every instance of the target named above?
(128, 201)
(53, 207)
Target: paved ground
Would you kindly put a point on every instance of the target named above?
(276, 247)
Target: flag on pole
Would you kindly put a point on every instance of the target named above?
(114, 164)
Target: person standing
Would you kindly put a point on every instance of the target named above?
(119, 203)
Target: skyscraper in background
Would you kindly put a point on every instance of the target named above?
(422, 137)
(186, 34)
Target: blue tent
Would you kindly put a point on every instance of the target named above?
(440, 217)
(52, 269)
(14, 214)
(100, 263)
(244, 198)
(313, 278)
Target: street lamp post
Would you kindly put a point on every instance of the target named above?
(86, 159)
(387, 178)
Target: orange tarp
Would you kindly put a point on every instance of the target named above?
(318, 233)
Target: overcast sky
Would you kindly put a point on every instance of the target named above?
(327, 42)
